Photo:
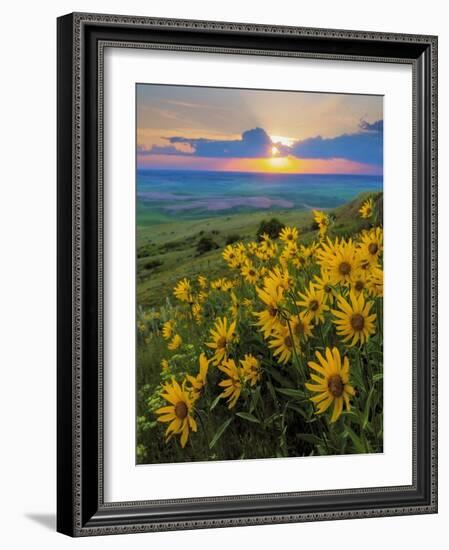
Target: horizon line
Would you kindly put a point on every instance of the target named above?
(150, 169)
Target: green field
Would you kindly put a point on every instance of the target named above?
(167, 252)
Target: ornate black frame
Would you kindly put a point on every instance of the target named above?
(81, 509)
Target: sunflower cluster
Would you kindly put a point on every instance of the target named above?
(304, 312)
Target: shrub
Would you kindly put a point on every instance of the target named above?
(231, 239)
(152, 264)
(272, 228)
(205, 244)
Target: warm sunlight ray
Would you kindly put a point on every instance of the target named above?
(288, 141)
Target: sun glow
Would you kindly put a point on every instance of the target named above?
(274, 151)
(278, 163)
(283, 140)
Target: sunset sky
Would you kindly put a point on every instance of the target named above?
(225, 129)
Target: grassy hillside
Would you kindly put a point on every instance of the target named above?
(168, 252)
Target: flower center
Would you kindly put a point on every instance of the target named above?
(345, 268)
(299, 328)
(357, 322)
(221, 342)
(359, 286)
(288, 342)
(272, 311)
(251, 273)
(373, 248)
(327, 289)
(181, 410)
(335, 385)
(313, 305)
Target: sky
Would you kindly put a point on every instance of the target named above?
(241, 130)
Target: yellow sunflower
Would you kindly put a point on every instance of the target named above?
(267, 249)
(179, 413)
(272, 296)
(232, 256)
(199, 381)
(354, 319)
(252, 247)
(222, 284)
(165, 365)
(360, 280)
(223, 336)
(320, 217)
(278, 278)
(288, 254)
(249, 272)
(331, 384)
(322, 220)
(309, 252)
(297, 259)
(234, 308)
(301, 326)
(367, 208)
(284, 342)
(232, 384)
(251, 369)
(314, 303)
(183, 291)
(197, 312)
(175, 342)
(324, 283)
(376, 282)
(339, 260)
(288, 234)
(168, 329)
(202, 281)
(371, 245)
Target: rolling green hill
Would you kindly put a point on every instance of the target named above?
(168, 252)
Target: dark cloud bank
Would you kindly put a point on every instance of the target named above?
(365, 145)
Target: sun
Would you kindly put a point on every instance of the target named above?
(274, 151)
(278, 163)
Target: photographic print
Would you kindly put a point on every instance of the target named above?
(259, 255)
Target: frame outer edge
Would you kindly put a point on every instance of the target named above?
(69, 521)
(65, 270)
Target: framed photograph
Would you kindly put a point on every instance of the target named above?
(247, 278)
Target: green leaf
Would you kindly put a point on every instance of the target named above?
(298, 409)
(378, 376)
(248, 416)
(272, 392)
(215, 402)
(297, 394)
(350, 415)
(272, 418)
(255, 398)
(355, 440)
(219, 432)
(367, 408)
(280, 379)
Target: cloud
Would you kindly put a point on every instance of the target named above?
(159, 150)
(365, 145)
(377, 126)
(254, 143)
